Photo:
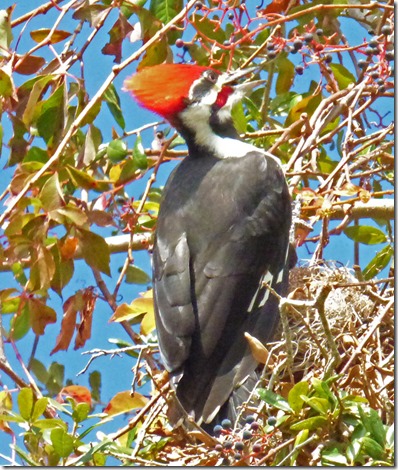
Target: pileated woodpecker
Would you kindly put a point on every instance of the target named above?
(222, 236)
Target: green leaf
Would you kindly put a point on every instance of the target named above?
(64, 269)
(5, 30)
(154, 54)
(365, 234)
(128, 173)
(95, 384)
(321, 405)
(25, 403)
(373, 425)
(50, 423)
(165, 10)
(301, 437)
(295, 396)
(85, 181)
(286, 75)
(50, 122)
(378, 263)
(343, 76)
(306, 105)
(39, 370)
(334, 456)
(116, 150)
(310, 423)
(51, 194)
(371, 447)
(39, 408)
(24, 456)
(69, 215)
(55, 378)
(6, 86)
(62, 442)
(36, 154)
(42, 269)
(81, 412)
(135, 275)
(94, 250)
(140, 159)
(209, 28)
(274, 399)
(20, 324)
(113, 101)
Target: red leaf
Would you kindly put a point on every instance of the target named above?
(79, 393)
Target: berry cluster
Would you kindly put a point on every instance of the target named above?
(381, 47)
(246, 442)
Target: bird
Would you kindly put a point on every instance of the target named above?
(221, 240)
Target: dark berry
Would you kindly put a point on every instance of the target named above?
(198, 5)
(369, 51)
(237, 456)
(308, 37)
(299, 69)
(328, 58)
(362, 64)
(319, 32)
(254, 426)
(217, 430)
(386, 30)
(231, 16)
(371, 32)
(271, 54)
(270, 46)
(390, 55)
(247, 435)
(373, 43)
(257, 448)
(375, 75)
(219, 447)
(226, 43)
(226, 424)
(228, 445)
(382, 89)
(380, 81)
(179, 43)
(249, 419)
(239, 446)
(271, 421)
(298, 44)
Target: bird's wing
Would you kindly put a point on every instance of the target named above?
(205, 296)
(175, 321)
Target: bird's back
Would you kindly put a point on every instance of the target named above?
(222, 231)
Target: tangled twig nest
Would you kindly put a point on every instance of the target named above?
(351, 309)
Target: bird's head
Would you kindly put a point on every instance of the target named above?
(185, 94)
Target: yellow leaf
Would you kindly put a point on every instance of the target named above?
(123, 402)
(258, 350)
(148, 323)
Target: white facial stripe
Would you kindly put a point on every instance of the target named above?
(196, 118)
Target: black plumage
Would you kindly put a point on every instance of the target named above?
(223, 224)
(222, 232)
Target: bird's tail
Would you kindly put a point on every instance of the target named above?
(232, 408)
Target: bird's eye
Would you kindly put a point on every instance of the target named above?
(211, 76)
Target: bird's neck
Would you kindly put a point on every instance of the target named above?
(214, 134)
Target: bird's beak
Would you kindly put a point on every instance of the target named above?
(244, 88)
